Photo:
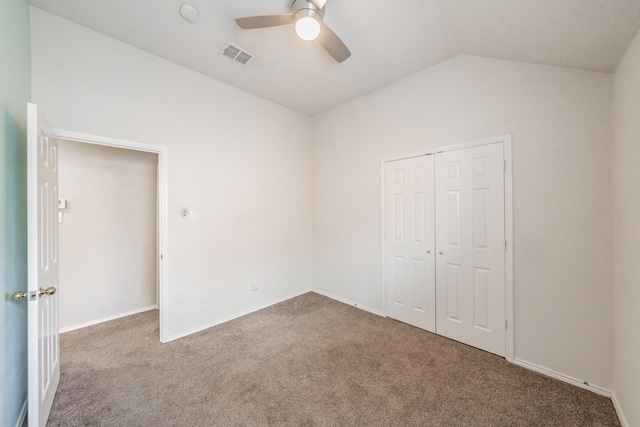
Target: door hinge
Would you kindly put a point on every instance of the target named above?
(505, 245)
(161, 256)
(506, 325)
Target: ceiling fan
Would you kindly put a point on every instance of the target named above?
(307, 16)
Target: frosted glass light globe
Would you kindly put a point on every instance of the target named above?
(307, 28)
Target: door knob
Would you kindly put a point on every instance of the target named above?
(48, 291)
(429, 251)
(440, 252)
(17, 296)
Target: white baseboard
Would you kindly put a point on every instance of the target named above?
(106, 319)
(346, 301)
(23, 413)
(618, 409)
(234, 316)
(562, 377)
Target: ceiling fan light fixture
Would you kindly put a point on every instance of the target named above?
(307, 16)
(308, 19)
(307, 28)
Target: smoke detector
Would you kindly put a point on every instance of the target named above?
(189, 12)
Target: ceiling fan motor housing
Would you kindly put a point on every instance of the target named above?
(306, 9)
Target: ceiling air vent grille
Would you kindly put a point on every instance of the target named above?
(237, 54)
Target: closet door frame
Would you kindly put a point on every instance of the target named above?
(508, 231)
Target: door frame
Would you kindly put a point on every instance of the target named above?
(508, 224)
(162, 210)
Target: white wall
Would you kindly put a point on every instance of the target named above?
(560, 121)
(244, 163)
(626, 235)
(108, 234)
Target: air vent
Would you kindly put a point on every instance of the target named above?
(237, 54)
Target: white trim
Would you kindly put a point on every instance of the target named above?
(383, 223)
(163, 220)
(508, 236)
(23, 413)
(111, 142)
(234, 316)
(618, 408)
(107, 319)
(508, 231)
(468, 144)
(562, 377)
(346, 301)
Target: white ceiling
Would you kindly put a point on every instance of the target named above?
(389, 39)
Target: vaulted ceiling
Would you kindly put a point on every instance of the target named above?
(389, 39)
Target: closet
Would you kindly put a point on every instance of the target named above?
(444, 244)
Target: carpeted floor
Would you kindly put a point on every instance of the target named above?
(309, 361)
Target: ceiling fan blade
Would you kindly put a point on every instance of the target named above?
(332, 44)
(319, 3)
(264, 21)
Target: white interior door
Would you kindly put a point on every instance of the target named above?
(42, 224)
(409, 241)
(470, 240)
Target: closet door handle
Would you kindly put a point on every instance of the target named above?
(441, 252)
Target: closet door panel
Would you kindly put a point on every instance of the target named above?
(409, 241)
(470, 260)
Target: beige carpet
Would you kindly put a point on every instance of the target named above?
(309, 361)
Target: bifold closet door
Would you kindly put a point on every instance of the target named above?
(470, 244)
(409, 241)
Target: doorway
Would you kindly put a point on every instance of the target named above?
(115, 242)
(107, 220)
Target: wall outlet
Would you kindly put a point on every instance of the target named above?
(254, 285)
